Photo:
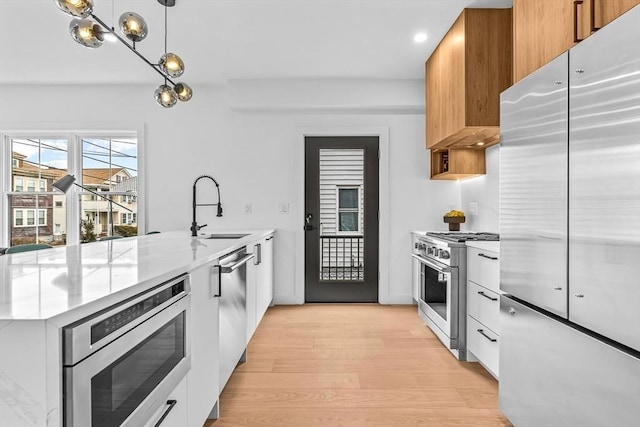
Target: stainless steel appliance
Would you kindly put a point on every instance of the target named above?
(120, 365)
(232, 276)
(442, 302)
(570, 236)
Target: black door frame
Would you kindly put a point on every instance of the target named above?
(343, 291)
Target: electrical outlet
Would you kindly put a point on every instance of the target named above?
(247, 209)
(283, 208)
(473, 208)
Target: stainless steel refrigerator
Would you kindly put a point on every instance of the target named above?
(570, 236)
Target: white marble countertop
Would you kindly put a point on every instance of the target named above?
(67, 283)
(484, 245)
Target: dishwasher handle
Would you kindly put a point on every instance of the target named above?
(230, 268)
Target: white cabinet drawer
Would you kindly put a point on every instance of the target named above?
(483, 268)
(483, 343)
(484, 306)
(173, 409)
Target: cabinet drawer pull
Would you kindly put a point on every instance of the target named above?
(488, 257)
(576, 3)
(171, 404)
(593, 17)
(487, 296)
(481, 331)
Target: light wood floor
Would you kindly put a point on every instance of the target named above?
(354, 365)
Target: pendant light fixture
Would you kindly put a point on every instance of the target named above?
(90, 31)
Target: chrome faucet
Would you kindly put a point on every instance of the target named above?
(194, 224)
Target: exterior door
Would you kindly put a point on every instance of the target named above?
(341, 219)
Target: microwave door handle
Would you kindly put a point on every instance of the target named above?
(229, 268)
(433, 265)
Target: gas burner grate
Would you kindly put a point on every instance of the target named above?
(464, 237)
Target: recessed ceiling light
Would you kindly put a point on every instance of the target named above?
(420, 37)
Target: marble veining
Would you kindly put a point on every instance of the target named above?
(24, 407)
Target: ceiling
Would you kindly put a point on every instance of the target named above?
(232, 39)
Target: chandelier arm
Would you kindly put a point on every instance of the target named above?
(123, 41)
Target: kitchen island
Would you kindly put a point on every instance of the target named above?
(43, 291)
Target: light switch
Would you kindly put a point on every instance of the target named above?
(247, 209)
(283, 208)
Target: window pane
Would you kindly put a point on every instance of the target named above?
(109, 165)
(348, 198)
(348, 221)
(31, 219)
(37, 163)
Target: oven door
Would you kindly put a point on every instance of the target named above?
(438, 297)
(125, 382)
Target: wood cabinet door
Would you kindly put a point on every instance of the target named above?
(453, 89)
(606, 11)
(433, 98)
(542, 30)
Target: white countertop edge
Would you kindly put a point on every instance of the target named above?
(86, 309)
(485, 245)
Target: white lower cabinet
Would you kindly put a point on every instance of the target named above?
(259, 283)
(173, 413)
(203, 378)
(483, 308)
(264, 289)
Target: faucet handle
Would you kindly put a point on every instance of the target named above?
(202, 226)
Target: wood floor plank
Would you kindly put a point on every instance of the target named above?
(354, 365)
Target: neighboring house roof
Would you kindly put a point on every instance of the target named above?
(100, 176)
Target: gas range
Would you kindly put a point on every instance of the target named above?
(440, 273)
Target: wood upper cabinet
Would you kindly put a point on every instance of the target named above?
(464, 78)
(543, 29)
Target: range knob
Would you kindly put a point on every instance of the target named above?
(416, 245)
(445, 254)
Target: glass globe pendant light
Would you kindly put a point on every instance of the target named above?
(183, 91)
(77, 8)
(86, 32)
(171, 64)
(133, 26)
(166, 96)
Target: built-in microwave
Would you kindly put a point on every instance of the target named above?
(120, 365)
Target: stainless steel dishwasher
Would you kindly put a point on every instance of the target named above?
(232, 274)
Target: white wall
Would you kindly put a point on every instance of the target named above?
(483, 190)
(232, 133)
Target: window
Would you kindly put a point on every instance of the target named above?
(30, 214)
(348, 209)
(33, 212)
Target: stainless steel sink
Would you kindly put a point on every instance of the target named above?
(224, 236)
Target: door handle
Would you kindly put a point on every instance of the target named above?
(307, 222)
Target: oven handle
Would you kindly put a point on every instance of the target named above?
(431, 264)
(229, 268)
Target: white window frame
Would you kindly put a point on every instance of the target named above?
(74, 135)
(21, 179)
(25, 215)
(359, 210)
